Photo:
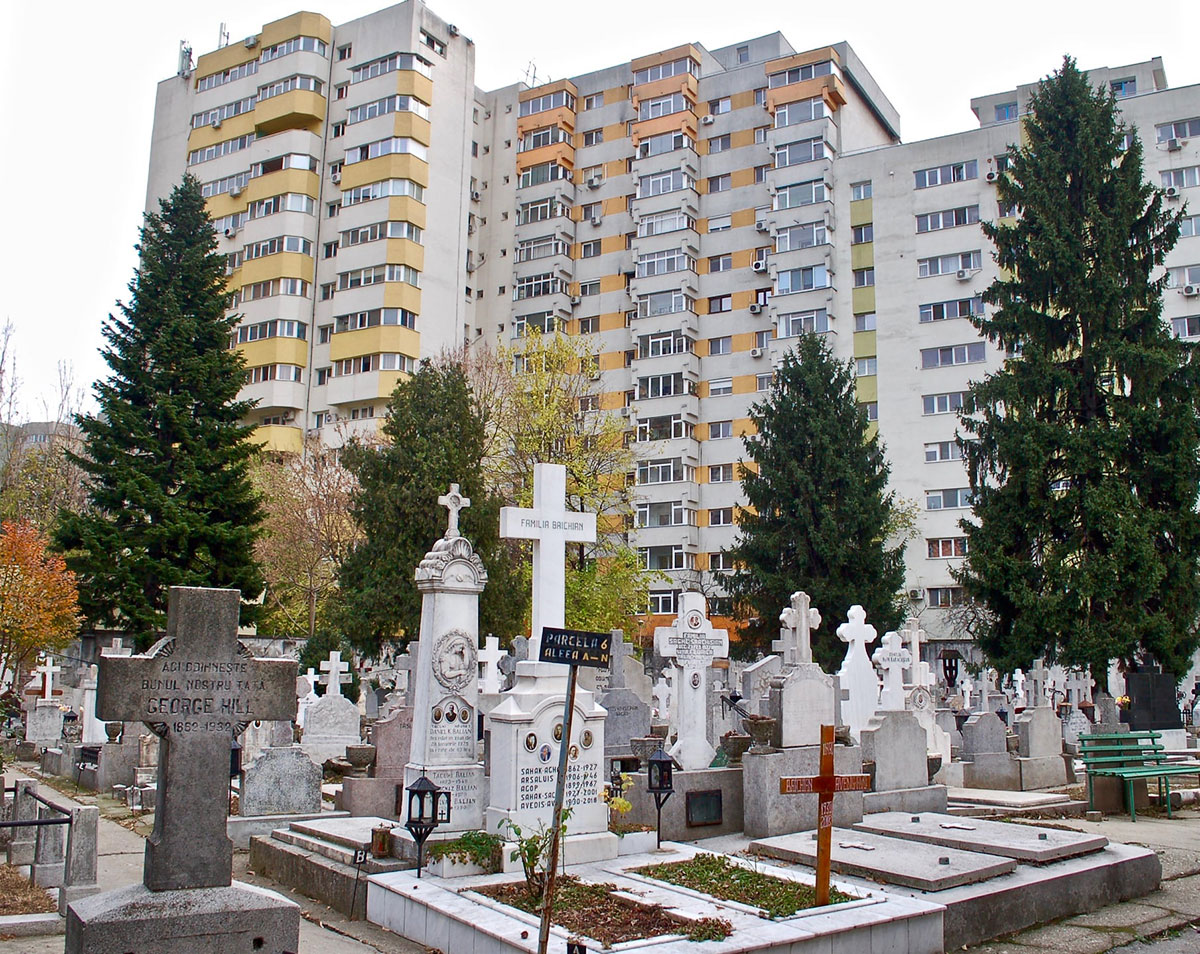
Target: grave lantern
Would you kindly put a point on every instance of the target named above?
(659, 784)
(428, 807)
(616, 784)
(950, 663)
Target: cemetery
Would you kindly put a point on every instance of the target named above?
(744, 805)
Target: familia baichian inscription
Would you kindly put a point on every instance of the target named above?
(196, 689)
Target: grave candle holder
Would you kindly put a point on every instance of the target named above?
(659, 784)
(428, 807)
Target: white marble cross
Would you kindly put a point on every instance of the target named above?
(489, 665)
(893, 659)
(1079, 686)
(967, 686)
(338, 672)
(453, 502)
(857, 679)
(550, 526)
(117, 649)
(1018, 681)
(794, 644)
(693, 644)
(48, 669)
(313, 679)
(918, 671)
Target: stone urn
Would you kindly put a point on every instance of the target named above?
(735, 745)
(660, 731)
(360, 758)
(760, 728)
(113, 730)
(645, 747)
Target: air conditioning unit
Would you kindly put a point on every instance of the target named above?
(756, 352)
(335, 177)
(475, 196)
(288, 418)
(574, 300)
(963, 274)
(760, 265)
(596, 375)
(594, 182)
(251, 42)
(1191, 291)
(235, 190)
(707, 120)
(992, 176)
(756, 309)
(914, 594)
(624, 412)
(596, 220)
(1174, 145)
(230, 232)
(1171, 192)
(452, 30)
(216, 123)
(761, 226)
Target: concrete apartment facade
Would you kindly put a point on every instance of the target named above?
(690, 212)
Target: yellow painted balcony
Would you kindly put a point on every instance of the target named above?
(862, 300)
(275, 351)
(404, 208)
(369, 386)
(377, 340)
(280, 265)
(561, 152)
(412, 83)
(684, 82)
(862, 255)
(298, 109)
(277, 183)
(562, 116)
(413, 126)
(285, 438)
(684, 121)
(830, 88)
(297, 24)
(396, 166)
(405, 252)
(231, 128)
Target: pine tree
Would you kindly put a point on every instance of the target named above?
(819, 511)
(434, 435)
(1085, 539)
(166, 457)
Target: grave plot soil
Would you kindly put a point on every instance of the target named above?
(592, 911)
(718, 876)
(18, 896)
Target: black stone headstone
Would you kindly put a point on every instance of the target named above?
(1152, 702)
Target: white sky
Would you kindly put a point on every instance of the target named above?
(77, 86)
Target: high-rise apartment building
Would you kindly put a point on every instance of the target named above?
(690, 212)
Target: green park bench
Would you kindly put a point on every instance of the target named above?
(1131, 756)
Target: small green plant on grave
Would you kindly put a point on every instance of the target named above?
(533, 851)
(709, 929)
(471, 847)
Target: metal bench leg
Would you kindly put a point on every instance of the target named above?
(1129, 795)
(1091, 798)
(1166, 781)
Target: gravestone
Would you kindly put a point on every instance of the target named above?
(1152, 700)
(1075, 725)
(756, 684)
(281, 780)
(1108, 717)
(803, 697)
(376, 796)
(336, 673)
(93, 727)
(196, 689)
(986, 759)
(921, 704)
(856, 679)
(517, 652)
(306, 695)
(896, 743)
(628, 714)
(893, 659)
(919, 673)
(693, 644)
(44, 718)
(1018, 682)
(489, 672)
(1039, 749)
(330, 724)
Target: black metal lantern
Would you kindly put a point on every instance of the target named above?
(428, 807)
(659, 783)
(616, 783)
(950, 662)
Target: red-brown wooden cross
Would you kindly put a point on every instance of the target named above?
(824, 784)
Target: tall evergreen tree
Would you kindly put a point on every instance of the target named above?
(434, 435)
(166, 457)
(1085, 539)
(819, 510)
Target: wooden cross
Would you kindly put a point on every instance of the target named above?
(337, 673)
(825, 785)
(197, 689)
(454, 502)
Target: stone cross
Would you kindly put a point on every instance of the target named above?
(1018, 681)
(118, 648)
(550, 526)
(857, 679)
(312, 678)
(619, 651)
(48, 669)
(197, 689)
(1079, 686)
(1040, 676)
(337, 673)
(794, 644)
(454, 502)
(967, 686)
(489, 665)
(919, 674)
(893, 658)
(693, 644)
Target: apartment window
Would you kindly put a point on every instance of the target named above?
(800, 236)
(950, 498)
(333, 209)
(801, 279)
(720, 430)
(662, 183)
(1006, 211)
(383, 189)
(872, 409)
(664, 558)
(720, 223)
(720, 303)
(945, 548)
(1179, 129)
(760, 134)
(743, 54)
(533, 286)
(1006, 112)
(386, 147)
(720, 517)
(589, 326)
(593, 137)
(589, 249)
(948, 218)
(718, 144)
(665, 471)
(344, 52)
(861, 234)
(372, 318)
(663, 343)
(720, 562)
(665, 70)
(1186, 178)
(1124, 87)
(942, 450)
(381, 230)
(324, 332)
(720, 473)
(663, 303)
(860, 190)
(941, 175)
(800, 73)
(431, 41)
(720, 386)
(800, 193)
(663, 428)
(323, 375)
(663, 602)
(662, 106)
(949, 264)
(339, 129)
(952, 354)
(719, 106)
(794, 153)
(664, 262)
(216, 150)
(866, 367)
(1189, 226)
(797, 323)
(589, 288)
(341, 91)
(948, 403)
(720, 183)
(662, 385)
(722, 345)
(789, 114)
(944, 597)
(762, 338)
(395, 103)
(864, 277)
(662, 222)
(663, 143)
(276, 328)
(720, 263)
(389, 63)
(763, 382)
(865, 322)
(593, 101)
(944, 310)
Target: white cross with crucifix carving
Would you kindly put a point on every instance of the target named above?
(338, 672)
(489, 665)
(313, 679)
(967, 686)
(48, 669)
(794, 644)
(550, 526)
(856, 679)
(453, 502)
(1018, 681)
(893, 659)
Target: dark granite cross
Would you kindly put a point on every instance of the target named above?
(197, 689)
